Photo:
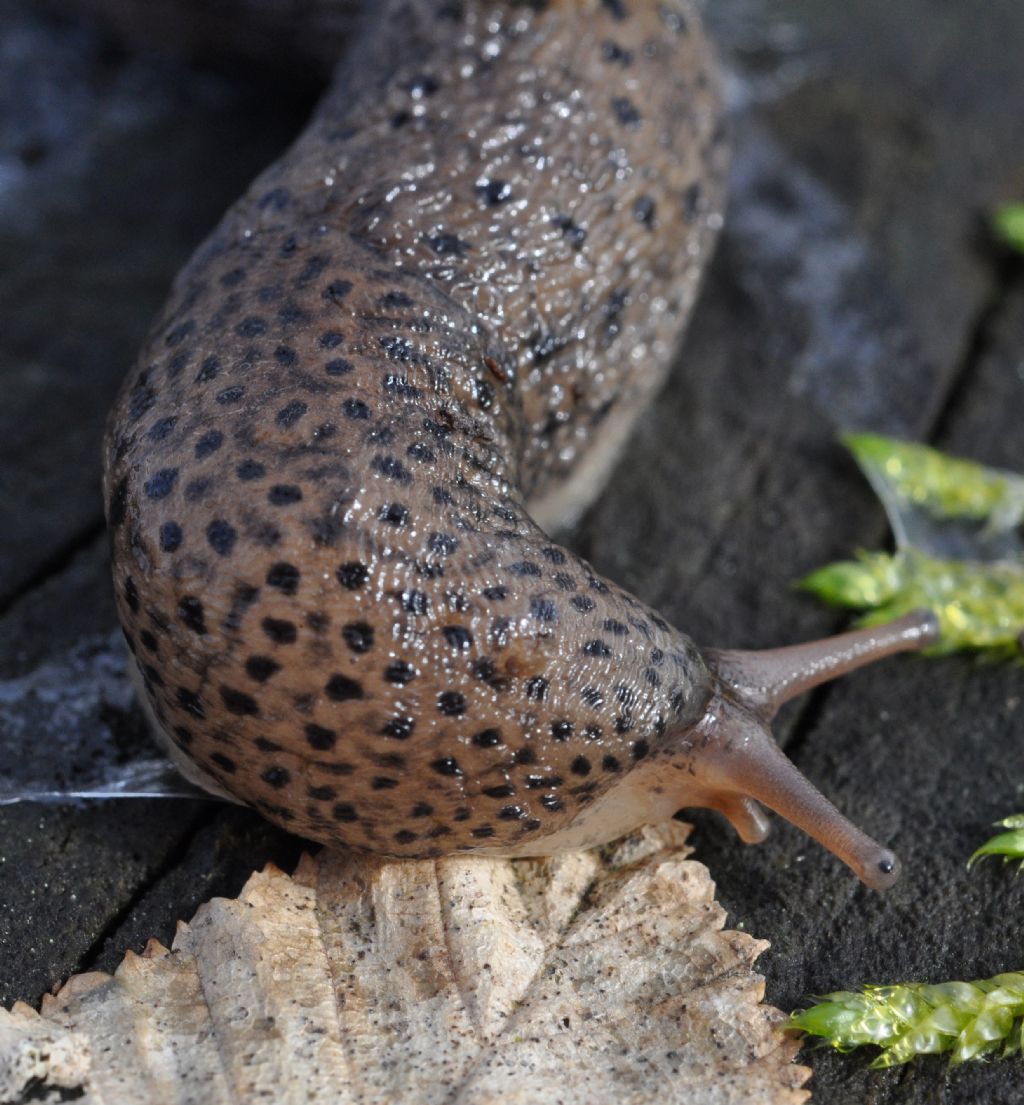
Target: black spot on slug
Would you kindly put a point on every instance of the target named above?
(451, 703)
(399, 728)
(238, 702)
(358, 636)
(285, 577)
(337, 290)
(190, 610)
(616, 8)
(353, 575)
(261, 668)
(494, 192)
(281, 632)
(284, 494)
(250, 470)
(612, 51)
(340, 688)
(160, 485)
(573, 234)
(171, 536)
(289, 414)
(399, 673)
(189, 701)
(221, 537)
(448, 245)
(643, 211)
(320, 738)
(626, 112)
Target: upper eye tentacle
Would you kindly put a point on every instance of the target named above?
(765, 680)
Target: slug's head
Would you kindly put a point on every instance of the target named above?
(734, 763)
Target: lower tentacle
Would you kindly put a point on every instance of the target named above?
(740, 761)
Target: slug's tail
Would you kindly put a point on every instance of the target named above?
(741, 764)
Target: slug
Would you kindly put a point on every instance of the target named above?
(414, 345)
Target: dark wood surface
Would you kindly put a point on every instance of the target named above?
(853, 288)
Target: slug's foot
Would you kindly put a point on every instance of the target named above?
(739, 764)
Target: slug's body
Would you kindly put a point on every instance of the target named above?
(422, 332)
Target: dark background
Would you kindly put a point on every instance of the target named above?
(854, 288)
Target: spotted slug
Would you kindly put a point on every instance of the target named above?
(414, 346)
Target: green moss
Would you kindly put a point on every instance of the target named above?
(979, 602)
(1008, 223)
(1009, 845)
(979, 605)
(946, 487)
(966, 1020)
(873, 580)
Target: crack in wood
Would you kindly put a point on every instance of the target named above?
(170, 863)
(54, 565)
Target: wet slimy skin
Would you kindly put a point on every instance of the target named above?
(412, 346)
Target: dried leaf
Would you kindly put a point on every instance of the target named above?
(590, 978)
